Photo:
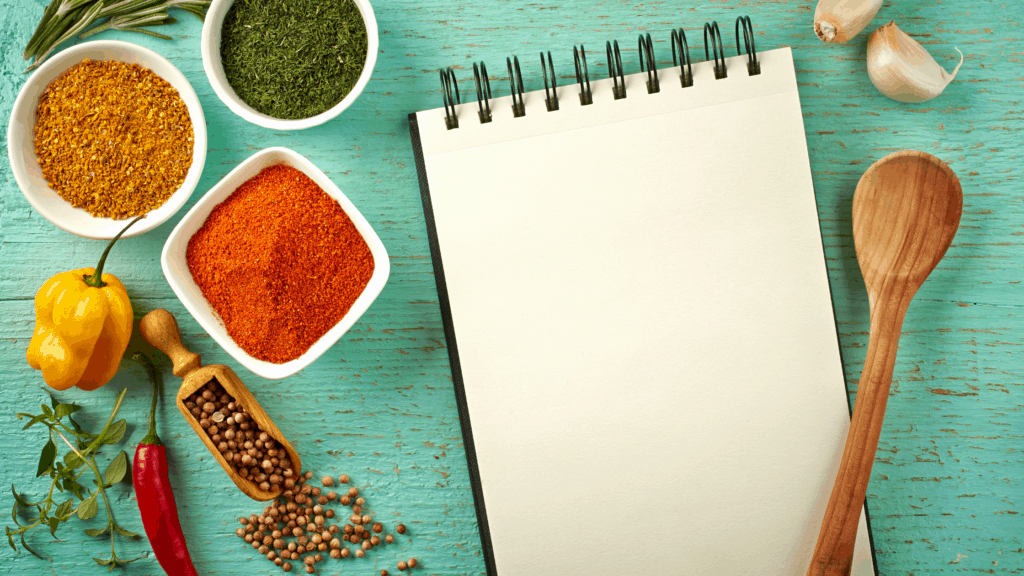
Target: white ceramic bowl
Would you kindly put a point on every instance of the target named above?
(210, 45)
(180, 278)
(21, 140)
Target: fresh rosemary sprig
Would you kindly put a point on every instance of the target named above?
(65, 473)
(63, 19)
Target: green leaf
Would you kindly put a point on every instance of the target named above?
(25, 544)
(117, 469)
(53, 401)
(114, 434)
(74, 487)
(64, 510)
(125, 533)
(62, 410)
(71, 460)
(46, 458)
(54, 522)
(35, 420)
(103, 562)
(88, 508)
(14, 515)
(46, 410)
(10, 538)
(18, 498)
(97, 531)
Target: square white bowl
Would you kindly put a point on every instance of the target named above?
(21, 140)
(180, 278)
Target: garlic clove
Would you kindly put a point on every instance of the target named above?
(840, 20)
(902, 69)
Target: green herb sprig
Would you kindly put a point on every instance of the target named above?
(65, 473)
(63, 19)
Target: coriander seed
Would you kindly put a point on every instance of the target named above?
(343, 479)
(412, 562)
(353, 491)
(400, 528)
(287, 567)
(360, 553)
(389, 539)
(402, 565)
(378, 527)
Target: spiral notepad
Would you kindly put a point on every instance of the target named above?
(637, 311)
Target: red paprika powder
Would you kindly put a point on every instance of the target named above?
(281, 263)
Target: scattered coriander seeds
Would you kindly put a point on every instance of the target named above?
(378, 527)
(345, 552)
(412, 562)
(367, 519)
(400, 528)
(343, 479)
(327, 480)
(332, 496)
(402, 565)
(375, 540)
(310, 570)
(389, 539)
(360, 553)
(335, 553)
(367, 545)
(345, 500)
(383, 573)
(287, 567)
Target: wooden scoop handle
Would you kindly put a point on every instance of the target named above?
(160, 329)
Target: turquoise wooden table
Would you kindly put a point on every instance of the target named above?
(946, 495)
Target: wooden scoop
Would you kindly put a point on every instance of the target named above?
(160, 329)
(906, 210)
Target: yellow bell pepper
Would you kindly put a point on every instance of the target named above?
(83, 324)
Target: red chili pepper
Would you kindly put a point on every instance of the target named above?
(153, 492)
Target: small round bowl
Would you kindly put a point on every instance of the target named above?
(175, 265)
(210, 45)
(21, 140)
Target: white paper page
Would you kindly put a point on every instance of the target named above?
(642, 314)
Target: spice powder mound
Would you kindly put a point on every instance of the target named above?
(113, 138)
(281, 263)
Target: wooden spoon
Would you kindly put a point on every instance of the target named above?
(906, 210)
(160, 329)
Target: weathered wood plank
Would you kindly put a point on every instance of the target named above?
(946, 493)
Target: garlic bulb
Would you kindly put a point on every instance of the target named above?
(902, 69)
(840, 20)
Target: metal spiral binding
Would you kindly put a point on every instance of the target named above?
(550, 99)
(586, 96)
(716, 45)
(648, 64)
(451, 120)
(647, 57)
(615, 69)
(515, 80)
(753, 66)
(685, 66)
(483, 92)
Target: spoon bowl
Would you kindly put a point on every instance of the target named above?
(906, 211)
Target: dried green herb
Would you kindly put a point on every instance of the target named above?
(64, 476)
(293, 59)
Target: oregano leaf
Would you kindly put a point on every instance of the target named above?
(102, 562)
(35, 420)
(88, 508)
(117, 469)
(10, 538)
(62, 410)
(54, 523)
(46, 410)
(97, 531)
(125, 533)
(46, 458)
(25, 544)
(64, 510)
(14, 515)
(18, 498)
(114, 434)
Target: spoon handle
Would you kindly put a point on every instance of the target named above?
(833, 554)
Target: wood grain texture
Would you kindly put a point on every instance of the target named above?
(946, 491)
(906, 210)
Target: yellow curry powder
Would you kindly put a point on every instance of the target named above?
(113, 138)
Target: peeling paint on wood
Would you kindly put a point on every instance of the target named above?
(946, 494)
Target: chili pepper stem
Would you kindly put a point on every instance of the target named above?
(95, 280)
(151, 437)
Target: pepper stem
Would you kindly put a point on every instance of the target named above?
(151, 438)
(95, 280)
